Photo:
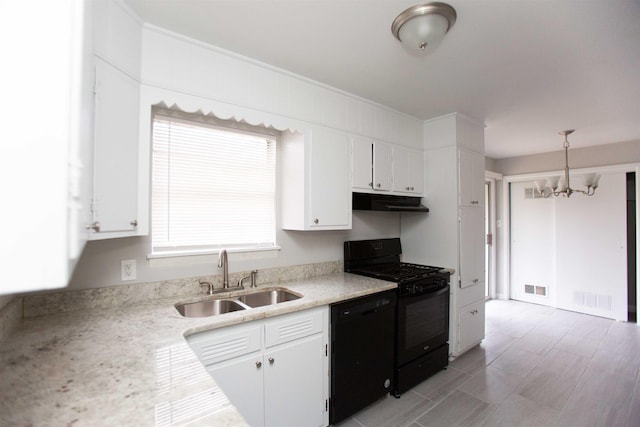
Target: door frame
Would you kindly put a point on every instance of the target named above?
(491, 178)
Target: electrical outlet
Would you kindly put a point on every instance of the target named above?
(128, 269)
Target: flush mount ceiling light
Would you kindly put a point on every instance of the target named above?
(557, 187)
(424, 25)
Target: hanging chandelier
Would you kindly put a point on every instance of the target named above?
(557, 187)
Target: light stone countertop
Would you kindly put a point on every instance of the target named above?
(131, 366)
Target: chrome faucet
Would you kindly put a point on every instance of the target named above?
(224, 264)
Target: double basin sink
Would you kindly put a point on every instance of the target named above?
(214, 307)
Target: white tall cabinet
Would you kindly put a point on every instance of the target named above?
(452, 234)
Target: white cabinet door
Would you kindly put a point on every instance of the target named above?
(241, 379)
(382, 166)
(408, 171)
(362, 164)
(416, 172)
(471, 246)
(115, 194)
(471, 178)
(401, 180)
(470, 326)
(293, 379)
(329, 190)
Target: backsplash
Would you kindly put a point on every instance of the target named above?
(10, 316)
(42, 304)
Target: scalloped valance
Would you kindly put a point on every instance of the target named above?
(153, 96)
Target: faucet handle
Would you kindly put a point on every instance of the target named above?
(253, 278)
(209, 284)
(240, 285)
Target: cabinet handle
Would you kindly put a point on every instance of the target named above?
(95, 226)
(258, 365)
(271, 360)
(379, 185)
(134, 223)
(475, 280)
(316, 221)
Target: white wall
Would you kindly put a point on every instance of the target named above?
(198, 71)
(100, 263)
(576, 246)
(533, 248)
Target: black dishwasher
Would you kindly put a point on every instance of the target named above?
(362, 352)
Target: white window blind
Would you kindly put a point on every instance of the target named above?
(212, 187)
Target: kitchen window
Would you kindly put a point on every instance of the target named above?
(213, 184)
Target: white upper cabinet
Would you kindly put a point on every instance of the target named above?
(316, 180)
(382, 166)
(117, 41)
(408, 171)
(362, 164)
(117, 36)
(372, 165)
(46, 150)
(471, 178)
(115, 194)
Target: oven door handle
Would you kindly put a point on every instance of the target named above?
(434, 294)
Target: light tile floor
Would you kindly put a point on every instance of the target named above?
(537, 366)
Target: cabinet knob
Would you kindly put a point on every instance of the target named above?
(475, 280)
(378, 185)
(371, 184)
(134, 223)
(316, 221)
(271, 360)
(94, 226)
(408, 188)
(411, 188)
(258, 365)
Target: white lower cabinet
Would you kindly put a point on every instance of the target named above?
(275, 371)
(293, 384)
(470, 326)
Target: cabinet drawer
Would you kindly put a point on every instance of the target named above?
(293, 327)
(219, 345)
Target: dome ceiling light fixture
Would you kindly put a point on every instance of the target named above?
(423, 25)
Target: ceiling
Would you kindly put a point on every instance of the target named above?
(526, 68)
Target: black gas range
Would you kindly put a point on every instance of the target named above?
(422, 313)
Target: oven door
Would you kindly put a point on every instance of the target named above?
(423, 324)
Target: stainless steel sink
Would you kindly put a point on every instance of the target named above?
(268, 297)
(214, 307)
(209, 308)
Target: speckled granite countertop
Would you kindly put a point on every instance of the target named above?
(131, 366)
